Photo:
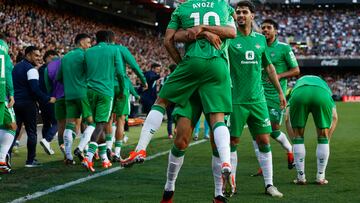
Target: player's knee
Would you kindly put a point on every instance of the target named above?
(265, 148)
(181, 143)
(178, 152)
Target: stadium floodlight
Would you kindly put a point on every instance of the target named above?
(91, 3)
(118, 11)
(155, 2)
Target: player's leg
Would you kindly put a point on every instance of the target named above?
(276, 115)
(185, 118)
(82, 107)
(216, 81)
(206, 130)
(69, 135)
(177, 89)
(298, 112)
(322, 110)
(237, 121)
(102, 107)
(260, 127)
(119, 137)
(7, 136)
(109, 136)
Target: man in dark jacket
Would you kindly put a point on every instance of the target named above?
(26, 93)
(149, 96)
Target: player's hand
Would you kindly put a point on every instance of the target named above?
(213, 39)
(52, 100)
(145, 86)
(282, 101)
(11, 102)
(194, 32)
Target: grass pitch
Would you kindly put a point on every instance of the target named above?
(144, 183)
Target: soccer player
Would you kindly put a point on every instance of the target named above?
(312, 95)
(286, 66)
(73, 75)
(103, 63)
(247, 56)
(204, 69)
(121, 100)
(7, 115)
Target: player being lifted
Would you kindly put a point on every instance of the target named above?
(286, 66)
(247, 56)
(204, 69)
(312, 95)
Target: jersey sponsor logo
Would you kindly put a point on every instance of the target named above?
(249, 56)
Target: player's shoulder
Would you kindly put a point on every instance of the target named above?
(259, 36)
(284, 45)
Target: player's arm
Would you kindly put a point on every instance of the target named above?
(289, 128)
(333, 123)
(129, 59)
(292, 63)
(132, 90)
(183, 36)
(170, 45)
(221, 31)
(9, 81)
(270, 69)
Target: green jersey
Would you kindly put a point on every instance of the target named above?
(312, 80)
(6, 66)
(103, 63)
(72, 74)
(247, 56)
(129, 59)
(202, 12)
(283, 59)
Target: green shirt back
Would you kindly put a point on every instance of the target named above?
(6, 66)
(72, 74)
(312, 80)
(202, 12)
(103, 62)
(247, 56)
(283, 58)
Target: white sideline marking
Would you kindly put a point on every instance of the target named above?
(90, 177)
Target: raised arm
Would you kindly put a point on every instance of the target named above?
(170, 45)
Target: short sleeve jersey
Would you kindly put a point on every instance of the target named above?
(202, 12)
(73, 74)
(103, 63)
(247, 55)
(283, 58)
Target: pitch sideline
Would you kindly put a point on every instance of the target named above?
(82, 180)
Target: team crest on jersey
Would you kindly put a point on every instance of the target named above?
(272, 54)
(257, 46)
(238, 46)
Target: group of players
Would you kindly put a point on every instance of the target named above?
(229, 72)
(225, 70)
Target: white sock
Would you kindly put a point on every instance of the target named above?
(6, 140)
(102, 152)
(256, 148)
(299, 158)
(222, 141)
(151, 125)
(322, 154)
(85, 138)
(109, 143)
(282, 139)
(68, 140)
(216, 169)
(174, 166)
(265, 160)
(118, 145)
(234, 161)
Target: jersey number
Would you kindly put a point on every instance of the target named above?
(206, 17)
(2, 66)
(249, 55)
